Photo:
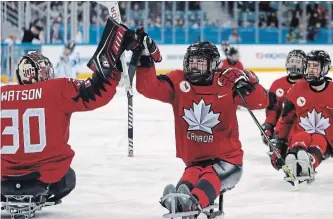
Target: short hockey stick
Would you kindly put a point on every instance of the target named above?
(278, 155)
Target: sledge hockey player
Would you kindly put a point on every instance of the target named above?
(307, 114)
(66, 67)
(295, 65)
(204, 103)
(36, 113)
(232, 60)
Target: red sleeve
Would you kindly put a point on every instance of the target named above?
(86, 95)
(274, 108)
(224, 65)
(155, 87)
(258, 99)
(239, 66)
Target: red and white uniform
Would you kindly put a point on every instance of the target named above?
(307, 111)
(35, 121)
(277, 95)
(206, 125)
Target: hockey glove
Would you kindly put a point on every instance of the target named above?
(116, 38)
(151, 52)
(242, 80)
(282, 147)
(269, 130)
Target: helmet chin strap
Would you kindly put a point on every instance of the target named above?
(295, 77)
(317, 82)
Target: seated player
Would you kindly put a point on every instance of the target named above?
(307, 115)
(295, 65)
(204, 103)
(36, 113)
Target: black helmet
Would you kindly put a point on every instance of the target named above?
(295, 64)
(204, 50)
(231, 53)
(324, 60)
(70, 46)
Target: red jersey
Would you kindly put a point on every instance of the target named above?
(307, 110)
(225, 64)
(277, 95)
(206, 125)
(35, 122)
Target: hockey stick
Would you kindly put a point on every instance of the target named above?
(275, 150)
(127, 75)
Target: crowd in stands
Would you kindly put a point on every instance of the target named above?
(303, 19)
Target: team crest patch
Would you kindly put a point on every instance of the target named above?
(301, 101)
(185, 86)
(279, 92)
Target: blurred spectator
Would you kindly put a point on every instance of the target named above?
(56, 36)
(33, 33)
(234, 37)
(312, 31)
(294, 20)
(11, 39)
(291, 36)
(194, 6)
(272, 20)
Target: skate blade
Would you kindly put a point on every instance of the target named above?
(191, 213)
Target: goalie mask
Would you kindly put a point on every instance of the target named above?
(34, 67)
(295, 64)
(318, 63)
(200, 62)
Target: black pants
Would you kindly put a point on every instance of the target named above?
(64, 186)
(32, 187)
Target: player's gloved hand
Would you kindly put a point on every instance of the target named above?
(116, 38)
(282, 147)
(151, 52)
(235, 79)
(269, 130)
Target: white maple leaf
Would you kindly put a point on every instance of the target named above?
(201, 118)
(315, 123)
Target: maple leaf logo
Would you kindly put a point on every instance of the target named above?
(201, 118)
(314, 123)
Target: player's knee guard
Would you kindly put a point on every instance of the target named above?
(300, 139)
(229, 174)
(318, 148)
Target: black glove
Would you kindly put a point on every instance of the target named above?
(150, 53)
(282, 147)
(269, 130)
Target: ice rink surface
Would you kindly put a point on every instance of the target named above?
(112, 186)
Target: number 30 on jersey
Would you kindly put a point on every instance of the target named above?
(14, 130)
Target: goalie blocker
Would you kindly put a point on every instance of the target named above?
(115, 40)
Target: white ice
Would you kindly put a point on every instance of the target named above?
(110, 185)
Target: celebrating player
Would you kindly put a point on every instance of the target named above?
(295, 65)
(35, 114)
(204, 103)
(307, 115)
